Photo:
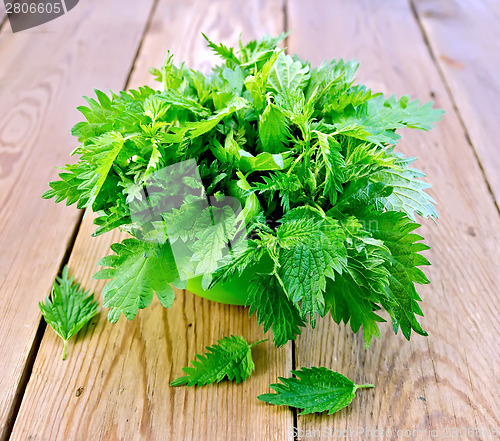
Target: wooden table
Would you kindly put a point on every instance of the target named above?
(115, 383)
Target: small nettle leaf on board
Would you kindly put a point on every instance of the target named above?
(230, 357)
(69, 308)
(315, 389)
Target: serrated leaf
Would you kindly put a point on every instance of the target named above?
(408, 193)
(198, 128)
(211, 241)
(279, 183)
(138, 269)
(329, 80)
(101, 152)
(395, 230)
(286, 74)
(69, 308)
(177, 99)
(230, 357)
(242, 256)
(352, 296)
(316, 389)
(377, 119)
(263, 161)
(221, 50)
(235, 78)
(155, 108)
(334, 165)
(274, 309)
(273, 129)
(310, 251)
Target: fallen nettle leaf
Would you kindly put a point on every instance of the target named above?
(316, 389)
(230, 357)
(69, 308)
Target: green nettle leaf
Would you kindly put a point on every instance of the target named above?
(69, 308)
(287, 74)
(273, 129)
(155, 108)
(102, 152)
(267, 297)
(354, 96)
(353, 296)
(395, 230)
(377, 119)
(174, 98)
(334, 165)
(210, 243)
(138, 269)
(198, 128)
(316, 389)
(232, 265)
(352, 302)
(310, 253)
(408, 193)
(230, 357)
(286, 187)
(263, 161)
(300, 166)
(67, 187)
(222, 51)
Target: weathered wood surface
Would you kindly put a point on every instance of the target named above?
(115, 382)
(449, 379)
(2, 12)
(465, 39)
(43, 74)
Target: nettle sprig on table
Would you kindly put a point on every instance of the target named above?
(328, 203)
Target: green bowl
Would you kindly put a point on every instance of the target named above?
(234, 291)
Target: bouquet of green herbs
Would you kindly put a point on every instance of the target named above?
(310, 157)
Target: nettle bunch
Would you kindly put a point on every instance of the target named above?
(309, 154)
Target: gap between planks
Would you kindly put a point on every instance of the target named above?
(448, 369)
(260, 25)
(139, 48)
(294, 365)
(30, 361)
(42, 326)
(453, 101)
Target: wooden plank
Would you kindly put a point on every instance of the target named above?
(43, 74)
(121, 372)
(3, 12)
(115, 382)
(464, 37)
(445, 380)
(224, 20)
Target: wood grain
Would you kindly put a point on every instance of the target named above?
(115, 382)
(43, 74)
(448, 379)
(3, 13)
(465, 39)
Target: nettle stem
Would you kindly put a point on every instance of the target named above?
(258, 342)
(64, 349)
(364, 386)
